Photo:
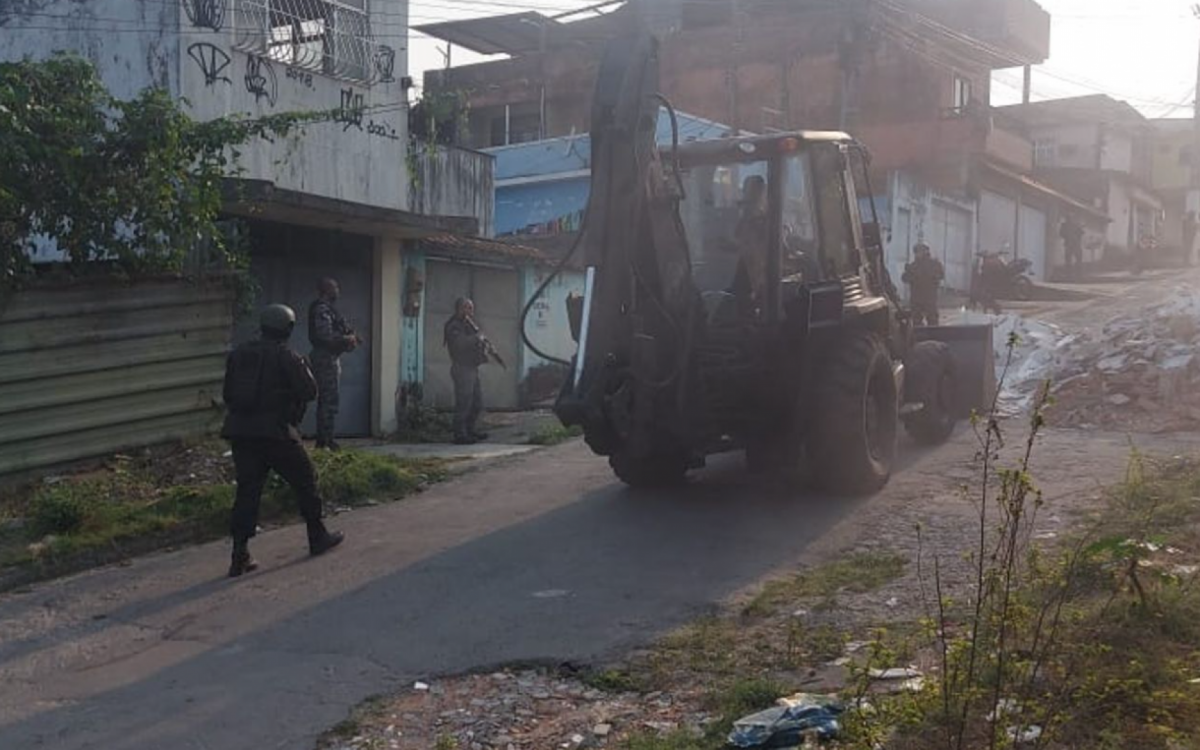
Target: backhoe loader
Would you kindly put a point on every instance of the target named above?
(735, 299)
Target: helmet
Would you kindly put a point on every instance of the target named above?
(277, 321)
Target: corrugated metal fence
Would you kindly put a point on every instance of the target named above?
(87, 371)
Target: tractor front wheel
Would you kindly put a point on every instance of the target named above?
(852, 444)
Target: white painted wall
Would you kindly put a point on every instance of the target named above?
(132, 43)
(1120, 209)
(1077, 144)
(548, 327)
(139, 43)
(1117, 153)
(357, 159)
(945, 222)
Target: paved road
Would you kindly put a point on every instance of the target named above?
(541, 558)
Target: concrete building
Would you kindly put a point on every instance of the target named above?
(340, 198)
(1098, 150)
(1174, 142)
(911, 80)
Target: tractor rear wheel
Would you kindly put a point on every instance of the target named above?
(852, 444)
(929, 380)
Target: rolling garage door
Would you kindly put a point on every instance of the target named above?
(286, 262)
(1033, 240)
(497, 296)
(997, 223)
(950, 242)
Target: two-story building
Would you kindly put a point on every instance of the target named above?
(1174, 144)
(1098, 150)
(339, 198)
(910, 78)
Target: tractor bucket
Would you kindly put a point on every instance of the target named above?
(974, 362)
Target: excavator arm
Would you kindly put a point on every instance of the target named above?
(626, 387)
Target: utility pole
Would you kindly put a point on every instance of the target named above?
(1193, 202)
(738, 23)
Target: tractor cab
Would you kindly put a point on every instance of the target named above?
(772, 223)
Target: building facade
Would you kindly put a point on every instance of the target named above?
(341, 197)
(1098, 150)
(1174, 144)
(911, 80)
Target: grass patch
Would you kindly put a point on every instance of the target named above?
(133, 507)
(857, 574)
(614, 681)
(554, 434)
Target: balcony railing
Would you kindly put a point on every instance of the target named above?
(331, 37)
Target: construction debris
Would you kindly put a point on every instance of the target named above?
(800, 717)
(1138, 372)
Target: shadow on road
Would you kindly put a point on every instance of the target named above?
(612, 569)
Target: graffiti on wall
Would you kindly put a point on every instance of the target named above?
(350, 112)
(305, 77)
(260, 79)
(212, 62)
(206, 14)
(569, 222)
(383, 130)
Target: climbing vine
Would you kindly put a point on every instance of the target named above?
(134, 187)
(438, 118)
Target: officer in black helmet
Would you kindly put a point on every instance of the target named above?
(267, 389)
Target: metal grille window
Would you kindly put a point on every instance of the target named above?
(328, 36)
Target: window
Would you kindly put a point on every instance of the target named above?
(725, 204)
(799, 231)
(961, 95)
(839, 256)
(514, 123)
(329, 36)
(1045, 152)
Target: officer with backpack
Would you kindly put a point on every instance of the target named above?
(267, 389)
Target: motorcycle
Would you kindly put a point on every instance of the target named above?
(995, 278)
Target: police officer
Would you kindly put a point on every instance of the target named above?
(330, 337)
(267, 388)
(924, 275)
(1071, 232)
(468, 350)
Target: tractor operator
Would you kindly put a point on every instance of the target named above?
(752, 238)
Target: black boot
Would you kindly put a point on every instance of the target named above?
(242, 561)
(321, 539)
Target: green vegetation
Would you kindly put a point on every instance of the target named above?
(127, 507)
(554, 434)
(857, 574)
(729, 703)
(136, 184)
(614, 681)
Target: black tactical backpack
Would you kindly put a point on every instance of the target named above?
(248, 363)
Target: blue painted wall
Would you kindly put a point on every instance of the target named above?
(551, 177)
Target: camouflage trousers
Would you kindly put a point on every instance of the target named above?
(327, 370)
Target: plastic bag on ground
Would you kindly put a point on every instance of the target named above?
(786, 726)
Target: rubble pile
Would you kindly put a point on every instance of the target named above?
(523, 710)
(1139, 372)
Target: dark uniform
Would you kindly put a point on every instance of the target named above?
(468, 350)
(924, 276)
(1072, 235)
(330, 337)
(267, 389)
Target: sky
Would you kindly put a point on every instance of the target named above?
(1141, 51)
